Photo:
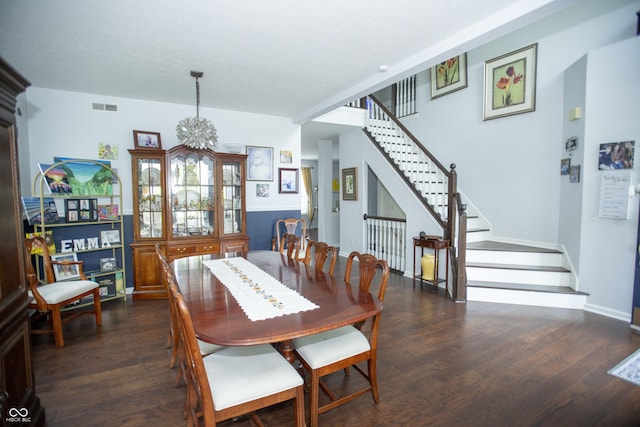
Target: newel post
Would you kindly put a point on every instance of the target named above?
(453, 185)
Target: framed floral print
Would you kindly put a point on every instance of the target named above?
(510, 83)
(449, 76)
(350, 184)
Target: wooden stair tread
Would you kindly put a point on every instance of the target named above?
(488, 245)
(518, 267)
(525, 287)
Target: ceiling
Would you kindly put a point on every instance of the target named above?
(292, 58)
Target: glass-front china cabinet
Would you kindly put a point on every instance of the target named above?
(190, 202)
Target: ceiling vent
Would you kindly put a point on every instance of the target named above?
(103, 107)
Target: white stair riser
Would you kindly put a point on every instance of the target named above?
(514, 258)
(541, 299)
(518, 276)
(478, 236)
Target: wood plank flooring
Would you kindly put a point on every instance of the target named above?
(439, 364)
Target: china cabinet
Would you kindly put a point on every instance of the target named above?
(188, 201)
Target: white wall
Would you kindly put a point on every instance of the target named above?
(62, 123)
(611, 114)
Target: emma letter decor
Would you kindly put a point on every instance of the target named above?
(196, 132)
(350, 184)
(510, 83)
(449, 76)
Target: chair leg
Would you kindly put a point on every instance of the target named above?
(56, 322)
(314, 398)
(298, 408)
(373, 380)
(97, 306)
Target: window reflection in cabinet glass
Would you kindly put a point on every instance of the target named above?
(150, 198)
(192, 195)
(232, 197)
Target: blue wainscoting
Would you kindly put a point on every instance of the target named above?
(261, 227)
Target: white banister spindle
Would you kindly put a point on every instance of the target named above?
(386, 240)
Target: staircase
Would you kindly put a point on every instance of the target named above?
(496, 271)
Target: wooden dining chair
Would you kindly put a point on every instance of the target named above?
(173, 340)
(342, 348)
(235, 380)
(321, 252)
(291, 246)
(50, 298)
(295, 226)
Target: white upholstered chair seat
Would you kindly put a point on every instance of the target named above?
(56, 292)
(208, 348)
(325, 348)
(242, 374)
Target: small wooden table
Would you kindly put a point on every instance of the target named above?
(436, 245)
(218, 319)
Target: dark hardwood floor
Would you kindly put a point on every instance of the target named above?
(439, 364)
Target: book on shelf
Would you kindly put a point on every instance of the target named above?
(48, 236)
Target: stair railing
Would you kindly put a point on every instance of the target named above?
(433, 184)
(386, 239)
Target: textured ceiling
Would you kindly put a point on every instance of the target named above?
(292, 58)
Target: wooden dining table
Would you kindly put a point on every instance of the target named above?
(218, 318)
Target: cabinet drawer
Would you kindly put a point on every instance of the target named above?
(208, 248)
(180, 251)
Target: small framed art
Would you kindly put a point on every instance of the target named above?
(145, 139)
(108, 264)
(81, 210)
(65, 271)
(288, 182)
(449, 76)
(510, 83)
(350, 184)
(109, 238)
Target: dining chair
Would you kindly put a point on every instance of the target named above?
(173, 340)
(321, 252)
(292, 246)
(296, 226)
(235, 380)
(339, 349)
(50, 298)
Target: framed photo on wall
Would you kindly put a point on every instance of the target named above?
(510, 83)
(350, 184)
(449, 76)
(259, 163)
(288, 182)
(145, 139)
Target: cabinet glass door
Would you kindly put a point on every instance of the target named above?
(150, 198)
(192, 195)
(232, 197)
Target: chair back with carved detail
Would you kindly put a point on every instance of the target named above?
(320, 252)
(295, 226)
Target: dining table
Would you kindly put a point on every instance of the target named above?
(218, 317)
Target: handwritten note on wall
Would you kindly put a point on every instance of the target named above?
(614, 195)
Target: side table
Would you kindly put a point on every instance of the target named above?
(436, 245)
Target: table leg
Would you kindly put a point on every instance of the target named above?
(286, 349)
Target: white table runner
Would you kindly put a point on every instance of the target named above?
(259, 295)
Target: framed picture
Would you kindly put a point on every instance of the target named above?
(81, 210)
(144, 139)
(449, 76)
(286, 156)
(108, 213)
(66, 272)
(350, 184)
(288, 182)
(108, 264)
(109, 237)
(262, 190)
(565, 164)
(88, 175)
(574, 173)
(510, 83)
(259, 163)
(616, 155)
(571, 143)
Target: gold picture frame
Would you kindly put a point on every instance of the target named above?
(350, 184)
(510, 83)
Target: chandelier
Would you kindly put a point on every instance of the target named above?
(196, 132)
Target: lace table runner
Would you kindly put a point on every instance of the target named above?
(259, 295)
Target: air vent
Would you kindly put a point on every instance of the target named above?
(103, 107)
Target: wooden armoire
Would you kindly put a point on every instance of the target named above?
(19, 404)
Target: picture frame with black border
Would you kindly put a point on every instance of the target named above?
(288, 180)
(108, 264)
